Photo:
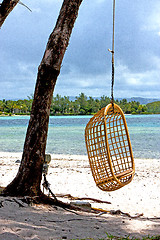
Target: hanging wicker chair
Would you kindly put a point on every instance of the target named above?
(109, 148)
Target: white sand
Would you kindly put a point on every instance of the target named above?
(72, 175)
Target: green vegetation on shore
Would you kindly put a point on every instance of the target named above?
(81, 105)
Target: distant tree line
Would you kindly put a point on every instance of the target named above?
(81, 105)
(9, 107)
(153, 107)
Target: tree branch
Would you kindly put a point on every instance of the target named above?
(25, 6)
(5, 8)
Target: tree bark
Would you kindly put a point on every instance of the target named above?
(5, 8)
(28, 179)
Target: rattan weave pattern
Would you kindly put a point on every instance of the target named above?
(109, 149)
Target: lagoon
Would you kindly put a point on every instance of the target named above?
(66, 134)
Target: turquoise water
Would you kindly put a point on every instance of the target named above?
(66, 134)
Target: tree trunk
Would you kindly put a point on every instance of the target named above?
(5, 8)
(28, 179)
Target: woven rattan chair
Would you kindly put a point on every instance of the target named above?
(109, 149)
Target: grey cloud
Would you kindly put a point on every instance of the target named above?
(87, 63)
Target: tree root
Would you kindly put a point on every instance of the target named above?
(46, 200)
(117, 212)
(43, 199)
(38, 197)
(1, 190)
(69, 196)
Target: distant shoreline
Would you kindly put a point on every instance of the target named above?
(81, 105)
(70, 115)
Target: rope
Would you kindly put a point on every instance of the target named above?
(46, 185)
(112, 51)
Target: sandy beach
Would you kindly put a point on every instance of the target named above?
(72, 175)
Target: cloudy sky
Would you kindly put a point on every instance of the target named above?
(87, 62)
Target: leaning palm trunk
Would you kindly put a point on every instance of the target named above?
(28, 179)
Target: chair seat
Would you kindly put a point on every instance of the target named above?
(119, 176)
(125, 173)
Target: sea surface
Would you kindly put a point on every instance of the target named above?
(66, 134)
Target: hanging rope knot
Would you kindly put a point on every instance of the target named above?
(111, 51)
(112, 102)
(46, 184)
